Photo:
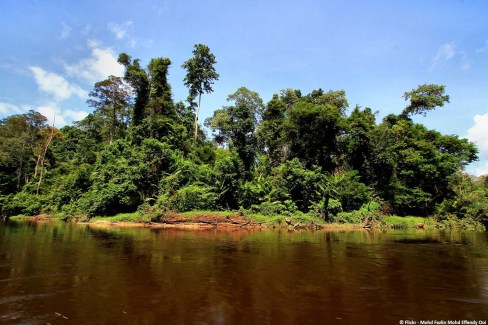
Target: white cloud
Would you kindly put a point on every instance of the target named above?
(101, 64)
(65, 31)
(10, 109)
(478, 134)
(445, 53)
(481, 170)
(120, 30)
(56, 85)
(53, 114)
(50, 110)
(75, 115)
(478, 168)
(59, 116)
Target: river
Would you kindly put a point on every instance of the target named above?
(58, 273)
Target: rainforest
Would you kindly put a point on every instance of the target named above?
(299, 155)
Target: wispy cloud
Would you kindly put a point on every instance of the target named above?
(120, 30)
(10, 109)
(65, 31)
(101, 64)
(56, 85)
(123, 32)
(444, 54)
(448, 52)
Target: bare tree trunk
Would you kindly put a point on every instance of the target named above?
(196, 119)
(37, 163)
(43, 157)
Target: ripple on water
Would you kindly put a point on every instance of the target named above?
(8, 300)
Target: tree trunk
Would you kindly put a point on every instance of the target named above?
(326, 208)
(37, 163)
(42, 159)
(196, 119)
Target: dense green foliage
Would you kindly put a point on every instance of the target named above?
(296, 154)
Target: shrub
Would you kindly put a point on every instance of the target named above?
(188, 198)
(109, 199)
(293, 181)
(255, 192)
(22, 203)
(285, 208)
(317, 208)
(349, 190)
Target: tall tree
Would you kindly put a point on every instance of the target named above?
(161, 102)
(110, 98)
(23, 137)
(412, 166)
(200, 76)
(335, 98)
(42, 155)
(236, 124)
(290, 97)
(139, 81)
(357, 146)
(424, 98)
(311, 132)
(270, 130)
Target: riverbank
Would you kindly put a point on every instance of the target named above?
(234, 220)
(196, 220)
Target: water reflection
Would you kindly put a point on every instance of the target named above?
(111, 275)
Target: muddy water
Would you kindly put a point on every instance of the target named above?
(59, 273)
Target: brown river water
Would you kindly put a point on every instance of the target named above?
(57, 273)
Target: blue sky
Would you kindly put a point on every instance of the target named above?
(54, 51)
